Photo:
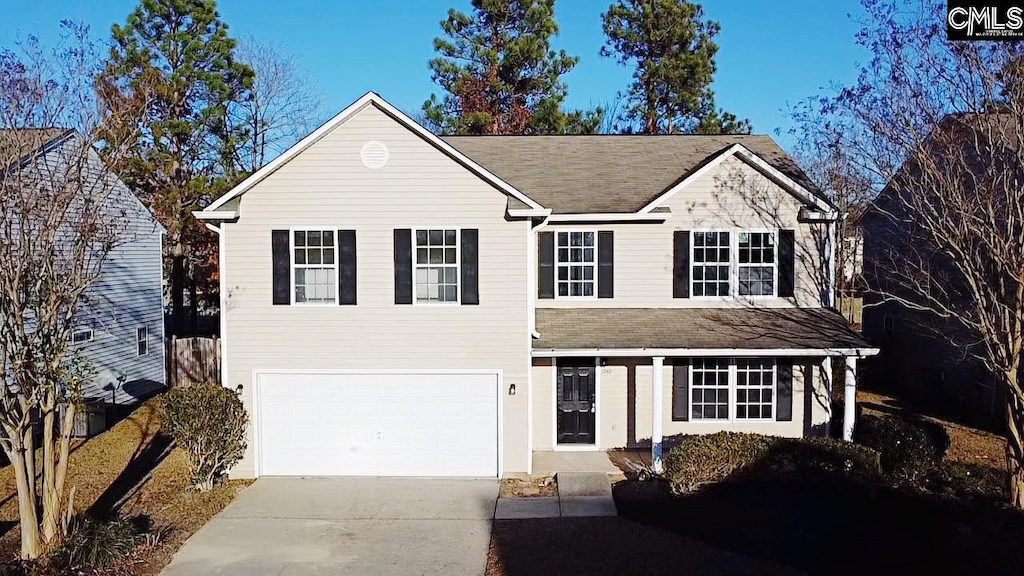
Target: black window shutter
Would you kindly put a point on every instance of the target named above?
(470, 266)
(346, 267)
(403, 266)
(787, 263)
(784, 392)
(681, 264)
(546, 265)
(681, 390)
(606, 264)
(282, 263)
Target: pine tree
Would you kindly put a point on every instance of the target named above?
(500, 74)
(673, 49)
(173, 78)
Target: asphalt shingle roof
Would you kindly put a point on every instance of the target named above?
(608, 173)
(16, 144)
(742, 328)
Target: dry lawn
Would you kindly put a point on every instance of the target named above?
(130, 469)
(967, 445)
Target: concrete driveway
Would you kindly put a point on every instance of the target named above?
(359, 526)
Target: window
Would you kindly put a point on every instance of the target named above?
(142, 340)
(577, 264)
(81, 335)
(315, 266)
(710, 264)
(888, 325)
(437, 266)
(755, 389)
(725, 390)
(756, 266)
(710, 389)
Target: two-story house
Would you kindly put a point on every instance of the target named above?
(397, 303)
(118, 327)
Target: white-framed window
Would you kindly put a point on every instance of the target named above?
(709, 389)
(756, 263)
(576, 262)
(711, 264)
(142, 340)
(729, 390)
(81, 335)
(733, 262)
(755, 389)
(314, 267)
(436, 265)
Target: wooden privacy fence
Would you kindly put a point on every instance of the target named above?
(193, 361)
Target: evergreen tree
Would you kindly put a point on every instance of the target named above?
(500, 74)
(173, 78)
(673, 49)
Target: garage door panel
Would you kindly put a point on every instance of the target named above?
(408, 424)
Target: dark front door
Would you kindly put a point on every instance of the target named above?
(577, 411)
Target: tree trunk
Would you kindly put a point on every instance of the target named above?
(1015, 447)
(30, 547)
(50, 498)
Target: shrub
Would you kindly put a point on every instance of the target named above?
(208, 422)
(705, 459)
(823, 458)
(96, 543)
(910, 451)
(976, 480)
(711, 458)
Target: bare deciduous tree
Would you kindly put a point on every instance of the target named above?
(57, 227)
(938, 127)
(285, 104)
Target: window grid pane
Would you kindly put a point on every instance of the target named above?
(437, 266)
(755, 389)
(314, 266)
(710, 275)
(576, 274)
(710, 389)
(756, 267)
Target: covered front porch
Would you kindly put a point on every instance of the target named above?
(702, 371)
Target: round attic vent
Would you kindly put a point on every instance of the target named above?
(374, 155)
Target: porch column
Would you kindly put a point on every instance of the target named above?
(657, 400)
(850, 398)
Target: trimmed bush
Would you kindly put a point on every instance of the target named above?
(95, 543)
(706, 459)
(208, 422)
(911, 452)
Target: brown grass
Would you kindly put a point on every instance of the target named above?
(967, 445)
(126, 465)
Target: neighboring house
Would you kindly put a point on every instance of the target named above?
(922, 354)
(119, 324)
(396, 303)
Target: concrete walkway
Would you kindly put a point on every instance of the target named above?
(357, 526)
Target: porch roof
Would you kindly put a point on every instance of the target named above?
(663, 330)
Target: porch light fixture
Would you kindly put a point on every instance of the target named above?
(511, 389)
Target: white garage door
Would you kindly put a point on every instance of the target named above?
(363, 424)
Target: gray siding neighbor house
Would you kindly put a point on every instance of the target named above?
(399, 303)
(119, 325)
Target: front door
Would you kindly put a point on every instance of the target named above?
(577, 410)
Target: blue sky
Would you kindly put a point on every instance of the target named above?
(772, 54)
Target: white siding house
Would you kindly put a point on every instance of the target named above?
(395, 303)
